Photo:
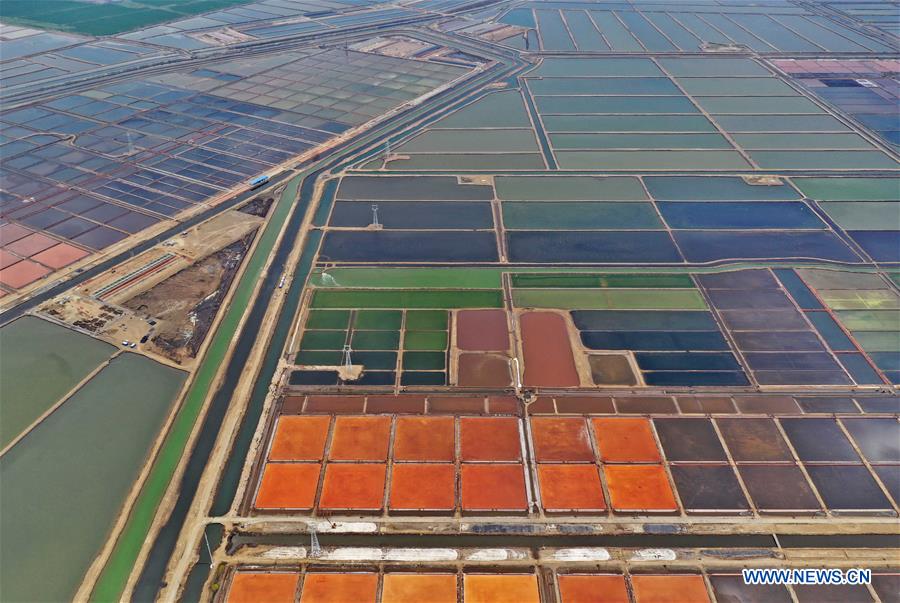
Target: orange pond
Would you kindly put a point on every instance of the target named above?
(563, 439)
(299, 438)
(360, 438)
(423, 487)
(547, 351)
(425, 439)
(624, 440)
(419, 588)
(339, 588)
(251, 587)
(490, 439)
(288, 486)
(500, 588)
(639, 488)
(353, 486)
(482, 330)
(489, 487)
(669, 589)
(592, 589)
(574, 488)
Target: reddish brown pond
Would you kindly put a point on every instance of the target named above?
(482, 330)
(483, 370)
(548, 354)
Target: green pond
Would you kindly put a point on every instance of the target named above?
(864, 215)
(840, 279)
(609, 299)
(870, 320)
(42, 362)
(758, 104)
(735, 86)
(594, 281)
(400, 298)
(65, 482)
(551, 67)
(627, 123)
(639, 141)
(823, 160)
(483, 140)
(780, 123)
(802, 141)
(504, 109)
(713, 66)
(407, 278)
(466, 161)
(650, 160)
(849, 189)
(569, 188)
(580, 215)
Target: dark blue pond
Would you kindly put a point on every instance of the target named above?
(387, 246)
(801, 361)
(714, 188)
(412, 188)
(755, 320)
(689, 361)
(882, 245)
(778, 341)
(592, 246)
(740, 215)
(798, 289)
(709, 246)
(643, 320)
(861, 371)
(723, 378)
(830, 331)
(414, 214)
(654, 340)
(739, 279)
(735, 299)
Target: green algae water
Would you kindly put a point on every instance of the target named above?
(65, 482)
(42, 362)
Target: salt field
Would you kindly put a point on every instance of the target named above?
(518, 301)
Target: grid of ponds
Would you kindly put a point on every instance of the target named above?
(865, 89)
(758, 327)
(50, 468)
(32, 55)
(779, 26)
(376, 338)
(782, 327)
(354, 454)
(94, 167)
(667, 113)
(599, 220)
(483, 584)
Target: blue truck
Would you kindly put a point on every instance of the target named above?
(258, 181)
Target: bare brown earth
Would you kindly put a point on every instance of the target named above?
(185, 304)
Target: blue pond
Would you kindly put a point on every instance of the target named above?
(704, 188)
(654, 340)
(414, 214)
(592, 246)
(882, 245)
(387, 246)
(740, 215)
(643, 320)
(709, 246)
